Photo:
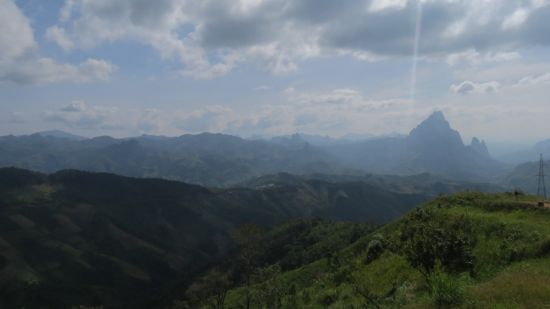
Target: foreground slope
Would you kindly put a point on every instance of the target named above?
(74, 237)
(469, 250)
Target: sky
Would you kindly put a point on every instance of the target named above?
(275, 67)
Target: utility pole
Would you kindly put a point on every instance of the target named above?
(541, 189)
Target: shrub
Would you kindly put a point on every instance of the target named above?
(328, 297)
(544, 247)
(446, 290)
(426, 239)
(374, 250)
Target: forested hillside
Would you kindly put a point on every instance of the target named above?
(82, 238)
(468, 250)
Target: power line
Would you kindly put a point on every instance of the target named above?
(541, 189)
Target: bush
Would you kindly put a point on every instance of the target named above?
(446, 290)
(544, 247)
(375, 248)
(426, 239)
(328, 297)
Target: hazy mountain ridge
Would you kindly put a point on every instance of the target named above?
(209, 159)
(224, 160)
(525, 177)
(425, 184)
(530, 154)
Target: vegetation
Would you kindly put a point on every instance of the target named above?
(468, 250)
(75, 238)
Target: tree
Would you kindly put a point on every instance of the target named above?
(248, 238)
(211, 289)
(425, 241)
(270, 290)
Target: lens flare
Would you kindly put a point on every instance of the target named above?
(417, 34)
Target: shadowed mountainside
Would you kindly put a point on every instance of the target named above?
(82, 238)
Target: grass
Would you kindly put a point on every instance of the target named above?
(523, 285)
(511, 263)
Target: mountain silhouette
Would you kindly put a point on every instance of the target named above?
(224, 160)
(431, 147)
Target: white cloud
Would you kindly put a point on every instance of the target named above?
(469, 87)
(16, 37)
(515, 20)
(79, 115)
(534, 80)
(47, 70)
(472, 56)
(211, 38)
(380, 5)
(20, 61)
(74, 107)
(335, 112)
(57, 35)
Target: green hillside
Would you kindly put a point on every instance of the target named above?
(74, 237)
(468, 250)
(77, 238)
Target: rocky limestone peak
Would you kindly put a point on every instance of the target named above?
(479, 146)
(435, 131)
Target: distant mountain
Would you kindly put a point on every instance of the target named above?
(314, 140)
(224, 160)
(424, 184)
(480, 147)
(525, 177)
(323, 141)
(73, 238)
(529, 154)
(432, 147)
(61, 134)
(207, 159)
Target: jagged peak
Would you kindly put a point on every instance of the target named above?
(479, 146)
(436, 118)
(435, 122)
(437, 115)
(435, 130)
(477, 141)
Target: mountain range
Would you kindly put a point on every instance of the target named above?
(224, 160)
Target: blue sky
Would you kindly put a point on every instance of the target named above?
(271, 67)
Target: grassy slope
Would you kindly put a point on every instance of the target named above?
(511, 262)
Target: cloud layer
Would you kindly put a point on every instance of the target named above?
(20, 60)
(210, 38)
